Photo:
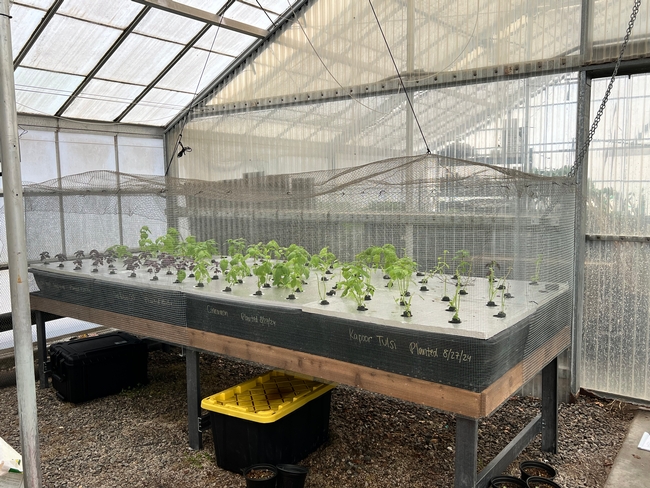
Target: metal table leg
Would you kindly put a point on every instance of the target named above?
(466, 447)
(549, 407)
(42, 350)
(193, 398)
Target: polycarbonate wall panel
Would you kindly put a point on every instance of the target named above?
(43, 92)
(85, 152)
(338, 44)
(616, 335)
(140, 155)
(616, 325)
(24, 21)
(619, 172)
(610, 19)
(525, 124)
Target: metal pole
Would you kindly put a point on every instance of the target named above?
(16, 246)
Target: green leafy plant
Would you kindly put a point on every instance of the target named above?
(237, 270)
(274, 250)
(236, 246)
(293, 271)
(538, 264)
(45, 255)
(463, 269)
(441, 272)
(401, 274)
(145, 242)
(169, 243)
(321, 263)
(492, 282)
(354, 283)
(202, 253)
(504, 294)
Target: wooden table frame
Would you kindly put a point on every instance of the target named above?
(468, 406)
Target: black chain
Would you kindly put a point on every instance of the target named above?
(599, 114)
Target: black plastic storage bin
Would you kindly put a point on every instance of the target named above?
(93, 367)
(277, 418)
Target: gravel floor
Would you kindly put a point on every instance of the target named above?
(138, 438)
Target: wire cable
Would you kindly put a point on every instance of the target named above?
(400, 77)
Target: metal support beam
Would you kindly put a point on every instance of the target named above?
(37, 32)
(125, 33)
(500, 463)
(549, 407)
(193, 398)
(207, 17)
(582, 133)
(17, 258)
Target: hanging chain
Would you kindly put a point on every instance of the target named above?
(599, 114)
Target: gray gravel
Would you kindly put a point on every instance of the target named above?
(138, 438)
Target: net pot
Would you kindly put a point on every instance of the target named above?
(536, 468)
(260, 476)
(291, 476)
(539, 482)
(507, 482)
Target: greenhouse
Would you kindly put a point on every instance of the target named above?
(324, 243)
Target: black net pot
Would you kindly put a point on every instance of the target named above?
(539, 482)
(260, 482)
(536, 468)
(291, 476)
(507, 482)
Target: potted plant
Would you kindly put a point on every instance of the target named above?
(492, 282)
(321, 264)
(292, 272)
(260, 476)
(79, 255)
(202, 253)
(98, 260)
(145, 242)
(463, 269)
(529, 469)
(235, 270)
(539, 482)
(236, 246)
(401, 273)
(61, 258)
(441, 271)
(504, 294)
(353, 282)
(504, 481)
(538, 263)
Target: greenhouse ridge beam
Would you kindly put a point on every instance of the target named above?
(120, 40)
(203, 16)
(34, 37)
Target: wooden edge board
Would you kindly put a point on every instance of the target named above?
(444, 397)
(143, 327)
(435, 395)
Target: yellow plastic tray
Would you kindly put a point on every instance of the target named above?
(267, 398)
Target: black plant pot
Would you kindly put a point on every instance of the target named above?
(538, 469)
(507, 482)
(539, 482)
(291, 476)
(264, 482)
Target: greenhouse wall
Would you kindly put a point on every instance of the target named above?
(616, 330)
(47, 153)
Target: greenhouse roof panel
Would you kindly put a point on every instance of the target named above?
(139, 61)
(43, 92)
(103, 100)
(23, 22)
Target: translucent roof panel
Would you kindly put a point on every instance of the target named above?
(116, 13)
(158, 107)
(126, 61)
(225, 41)
(43, 92)
(103, 100)
(23, 22)
(195, 71)
(69, 45)
(126, 64)
(167, 26)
